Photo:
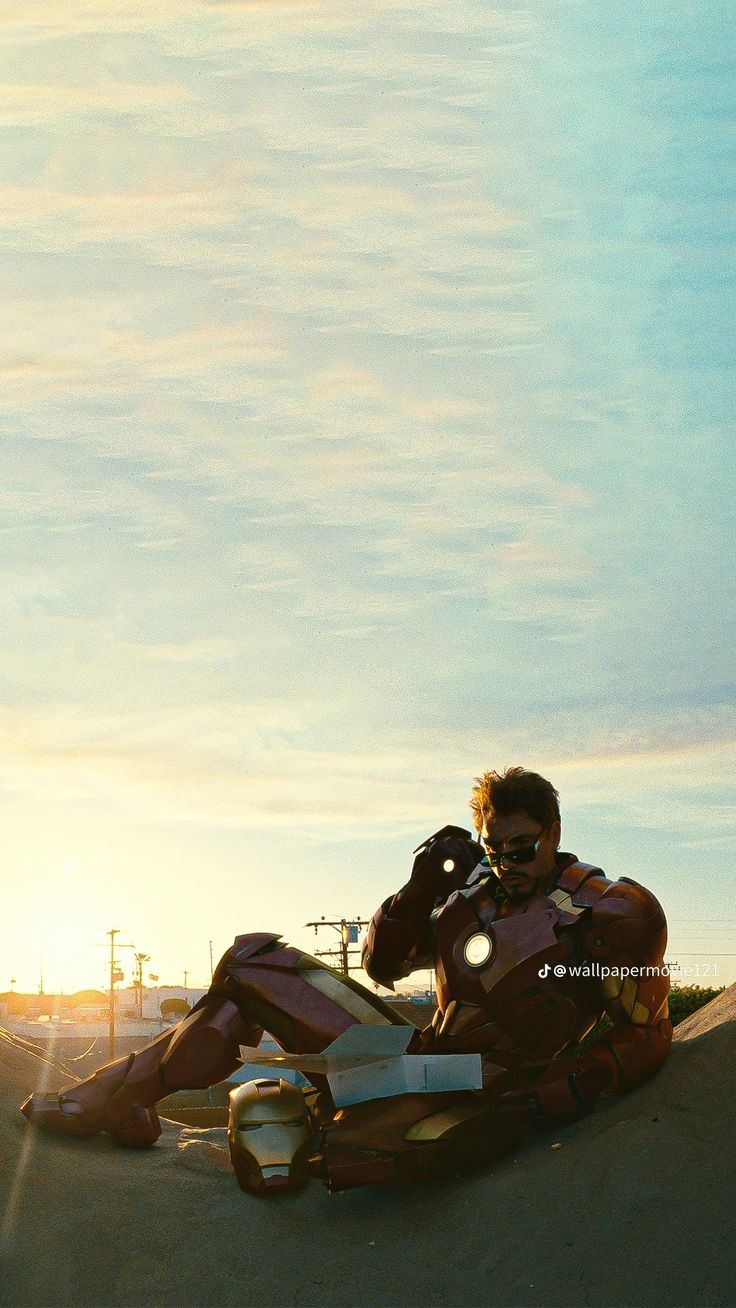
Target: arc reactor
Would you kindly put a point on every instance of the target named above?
(477, 949)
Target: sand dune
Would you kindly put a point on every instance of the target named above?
(633, 1206)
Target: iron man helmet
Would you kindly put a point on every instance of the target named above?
(271, 1136)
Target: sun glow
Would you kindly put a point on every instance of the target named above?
(61, 944)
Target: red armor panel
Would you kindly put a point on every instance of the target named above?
(294, 996)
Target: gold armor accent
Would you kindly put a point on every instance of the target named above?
(563, 902)
(622, 996)
(342, 993)
(611, 987)
(447, 1016)
(627, 997)
(438, 1124)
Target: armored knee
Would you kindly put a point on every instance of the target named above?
(206, 1045)
(243, 948)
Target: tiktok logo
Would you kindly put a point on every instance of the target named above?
(544, 971)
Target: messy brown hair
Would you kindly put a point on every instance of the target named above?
(514, 791)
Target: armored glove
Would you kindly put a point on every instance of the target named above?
(444, 862)
(567, 1089)
(399, 937)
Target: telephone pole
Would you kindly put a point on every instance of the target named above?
(140, 959)
(348, 930)
(112, 934)
(115, 975)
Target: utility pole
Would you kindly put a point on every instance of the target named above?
(140, 959)
(212, 966)
(348, 930)
(186, 974)
(112, 934)
(115, 976)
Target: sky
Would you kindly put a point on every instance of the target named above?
(366, 376)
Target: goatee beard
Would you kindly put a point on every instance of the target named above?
(519, 892)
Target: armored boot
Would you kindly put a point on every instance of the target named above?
(120, 1097)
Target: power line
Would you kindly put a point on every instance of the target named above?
(349, 929)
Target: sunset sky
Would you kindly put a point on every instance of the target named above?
(367, 385)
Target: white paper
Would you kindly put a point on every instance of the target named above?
(369, 1062)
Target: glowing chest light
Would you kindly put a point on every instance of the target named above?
(477, 949)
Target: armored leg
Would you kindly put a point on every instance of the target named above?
(293, 996)
(259, 983)
(120, 1097)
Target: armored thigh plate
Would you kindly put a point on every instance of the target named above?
(271, 1136)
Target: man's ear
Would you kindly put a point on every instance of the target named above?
(555, 832)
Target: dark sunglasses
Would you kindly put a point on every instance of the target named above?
(515, 857)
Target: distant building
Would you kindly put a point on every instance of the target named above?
(75, 1029)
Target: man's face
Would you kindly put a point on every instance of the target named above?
(501, 835)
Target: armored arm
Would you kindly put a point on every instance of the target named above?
(400, 937)
(627, 936)
(628, 933)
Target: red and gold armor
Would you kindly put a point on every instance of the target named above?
(517, 982)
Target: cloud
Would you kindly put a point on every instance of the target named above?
(203, 651)
(251, 764)
(46, 218)
(677, 790)
(23, 103)
(75, 349)
(222, 763)
(72, 19)
(527, 557)
(297, 354)
(215, 348)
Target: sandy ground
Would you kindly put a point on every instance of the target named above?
(633, 1206)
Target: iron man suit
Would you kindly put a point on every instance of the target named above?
(517, 982)
(520, 982)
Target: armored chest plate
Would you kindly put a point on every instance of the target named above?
(488, 964)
